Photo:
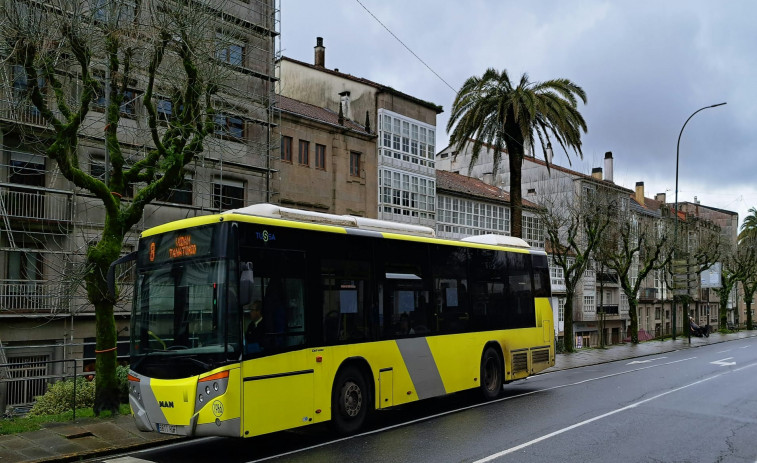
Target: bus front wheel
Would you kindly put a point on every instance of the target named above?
(350, 401)
(491, 374)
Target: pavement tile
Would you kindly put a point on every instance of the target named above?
(14, 442)
(9, 456)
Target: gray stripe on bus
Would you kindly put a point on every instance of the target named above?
(151, 404)
(422, 368)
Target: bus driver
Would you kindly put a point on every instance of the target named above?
(254, 333)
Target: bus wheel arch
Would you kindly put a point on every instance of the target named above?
(351, 396)
(492, 371)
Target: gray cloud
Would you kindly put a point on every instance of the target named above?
(645, 65)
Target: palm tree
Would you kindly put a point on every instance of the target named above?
(749, 226)
(490, 110)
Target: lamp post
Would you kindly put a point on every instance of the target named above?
(675, 223)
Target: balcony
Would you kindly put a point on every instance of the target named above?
(648, 294)
(609, 310)
(21, 112)
(31, 296)
(42, 207)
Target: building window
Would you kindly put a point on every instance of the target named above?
(286, 149)
(406, 139)
(560, 309)
(320, 156)
(557, 275)
(303, 156)
(181, 194)
(468, 218)
(118, 13)
(354, 164)
(229, 126)
(228, 194)
(164, 108)
(229, 50)
(532, 231)
(589, 304)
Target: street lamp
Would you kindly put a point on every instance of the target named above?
(675, 223)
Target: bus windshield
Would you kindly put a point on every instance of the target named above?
(184, 318)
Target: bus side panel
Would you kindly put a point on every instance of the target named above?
(278, 392)
(457, 357)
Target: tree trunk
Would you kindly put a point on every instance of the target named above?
(99, 258)
(749, 321)
(516, 198)
(632, 313)
(568, 322)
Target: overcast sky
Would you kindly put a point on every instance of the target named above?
(646, 66)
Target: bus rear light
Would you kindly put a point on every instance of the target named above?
(221, 375)
(133, 378)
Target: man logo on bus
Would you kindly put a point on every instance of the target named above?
(217, 408)
(265, 236)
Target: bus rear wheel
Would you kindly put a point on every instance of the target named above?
(350, 401)
(491, 374)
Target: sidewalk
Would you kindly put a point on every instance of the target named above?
(90, 438)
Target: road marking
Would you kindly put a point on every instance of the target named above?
(605, 415)
(724, 351)
(723, 362)
(645, 361)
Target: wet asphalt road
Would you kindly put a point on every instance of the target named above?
(695, 405)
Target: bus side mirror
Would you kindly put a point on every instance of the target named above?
(246, 280)
(112, 272)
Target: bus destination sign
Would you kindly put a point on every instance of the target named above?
(184, 247)
(177, 245)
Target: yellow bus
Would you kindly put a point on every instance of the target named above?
(266, 318)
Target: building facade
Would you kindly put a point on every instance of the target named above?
(405, 128)
(326, 163)
(47, 224)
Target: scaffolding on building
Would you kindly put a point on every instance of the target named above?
(55, 222)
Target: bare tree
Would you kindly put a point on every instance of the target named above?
(574, 226)
(641, 245)
(79, 56)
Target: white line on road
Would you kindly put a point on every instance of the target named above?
(724, 351)
(722, 362)
(591, 420)
(645, 361)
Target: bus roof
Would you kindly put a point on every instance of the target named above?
(362, 223)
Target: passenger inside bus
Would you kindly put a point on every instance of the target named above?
(255, 330)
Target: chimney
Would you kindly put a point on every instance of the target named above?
(608, 166)
(320, 53)
(487, 178)
(640, 193)
(596, 173)
(344, 102)
(550, 153)
(660, 197)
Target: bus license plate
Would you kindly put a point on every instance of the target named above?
(167, 428)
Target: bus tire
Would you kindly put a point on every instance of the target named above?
(350, 401)
(491, 374)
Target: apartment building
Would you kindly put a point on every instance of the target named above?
(47, 224)
(405, 127)
(327, 163)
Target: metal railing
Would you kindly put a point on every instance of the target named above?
(32, 386)
(32, 295)
(36, 204)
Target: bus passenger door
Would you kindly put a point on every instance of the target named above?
(281, 398)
